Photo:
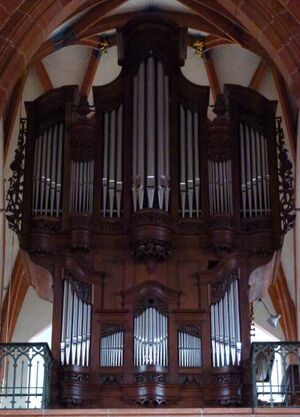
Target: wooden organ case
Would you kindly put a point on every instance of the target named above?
(150, 220)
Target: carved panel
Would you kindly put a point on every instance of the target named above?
(82, 289)
(150, 377)
(46, 225)
(191, 379)
(150, 301)
(191, 330)
(110, 329)
(218, 290)
(110, 379)
(16, 182)
(75, 377)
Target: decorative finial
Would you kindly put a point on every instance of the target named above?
(103, 46)
(199, 47)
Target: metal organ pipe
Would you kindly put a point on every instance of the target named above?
(111, 349)
(134, 145)
(151, 338)
(161, 175)
(254, 172)
(112, 183)
(47, 172)
(225, 328)
(75, 328)
(189, 350)
(150, 184)
(140, 179)
(220, 186)
(119, 182)
(150, 137)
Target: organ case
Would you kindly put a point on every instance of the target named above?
(151, 219)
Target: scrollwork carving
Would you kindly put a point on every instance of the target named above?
(191, 330)
(190, 379)
(16, 182)
(75, 378)
(254, 224)
(46, 225)
(150, 377)
(286, 180)
(190, 227)
(151, 251)
(219, 289)
(82, 289)
(110, 379)
(154, 217)
(152, 402)
(111, 329)
(150, 301)
(110, 225)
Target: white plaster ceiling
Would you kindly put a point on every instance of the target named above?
(132, 5)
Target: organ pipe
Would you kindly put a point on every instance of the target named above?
(151, 338)
(112, 183)
(150, 141)
(225, 328)
(75, 328)
(220, 186)
(189, 350)
(111, 349)
(189, 163)
(255, 194)
(47, 172)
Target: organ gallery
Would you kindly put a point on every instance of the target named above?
(150, 219)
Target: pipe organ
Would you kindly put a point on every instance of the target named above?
(225, 325)
(47, 169)
(150, 219)
(151, 338)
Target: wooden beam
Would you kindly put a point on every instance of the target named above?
(286, 111)
(12, 113)
(13, 300)
(43, 76)
(212, 75)
(258, 75)
(90, 73)
(284, 305)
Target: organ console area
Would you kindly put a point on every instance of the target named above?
(150, 219)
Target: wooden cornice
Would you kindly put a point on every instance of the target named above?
(258, 76)
(284, 305)
(13, 300)
(286, 111)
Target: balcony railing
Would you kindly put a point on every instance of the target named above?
(24, 375)
(276, 374)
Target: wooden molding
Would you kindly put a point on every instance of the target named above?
(13, 300)
(284, 305)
